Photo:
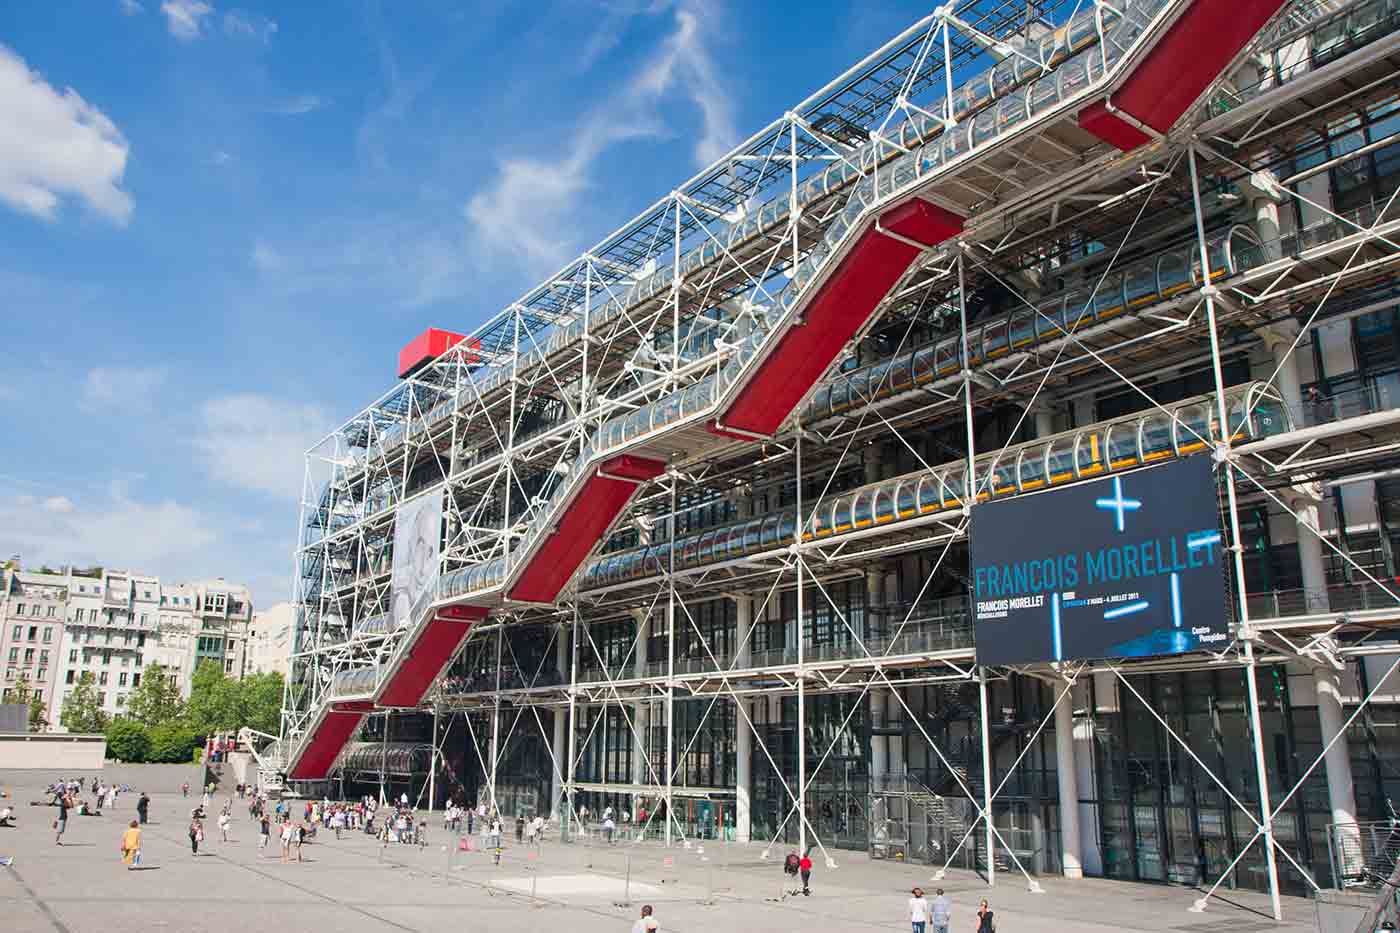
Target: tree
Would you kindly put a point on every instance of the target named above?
(38, 712)
(262, 701)
(127, 740)
(82, 711)
(173, 742)
(156, 700)
(215, 700)
(33, 697)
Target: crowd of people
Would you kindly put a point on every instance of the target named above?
(296, 822)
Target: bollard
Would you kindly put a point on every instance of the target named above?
(709, 900)
(627, 883)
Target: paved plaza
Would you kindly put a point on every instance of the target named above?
(354, 884)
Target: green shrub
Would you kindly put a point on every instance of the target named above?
(128, 741)
(172, 742)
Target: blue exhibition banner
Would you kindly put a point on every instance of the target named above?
(1127, 566)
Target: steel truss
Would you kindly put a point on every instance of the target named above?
(667, 302)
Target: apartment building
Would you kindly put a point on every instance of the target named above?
(114, 625)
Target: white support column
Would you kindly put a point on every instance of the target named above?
(1262, 190)
(1044, 420)
(433, 762)
(559, 747)
(496, 720)
(743, 735)
(987, 778)
(641, 717)
(1341, 795)
(879, 748)
(566, 817)
(1303, 499)
(1067, 778)
(894, 744)
(1224, 457)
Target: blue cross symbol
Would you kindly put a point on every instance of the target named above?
(1118, 503)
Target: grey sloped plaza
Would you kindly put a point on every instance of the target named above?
(352, 884)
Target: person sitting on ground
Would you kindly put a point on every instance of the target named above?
(7, 816)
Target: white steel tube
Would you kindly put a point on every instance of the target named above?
(1241, 590)
(987, 778)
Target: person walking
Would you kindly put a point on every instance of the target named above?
(646, 922)
(224, 820)
(918, 911)
(298, 836)
(986, 921)
(196, 835)
(519, 828)
(941, 913)
(264, 833)
(185, 789)
(131, 845)
(65, 803)
(805, 867)
(286, 839)
(143, 808)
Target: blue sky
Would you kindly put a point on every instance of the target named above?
(219, 223)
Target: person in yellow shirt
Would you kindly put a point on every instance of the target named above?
(131, 845)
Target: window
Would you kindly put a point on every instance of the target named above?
(121, 682)
(148, 594)
(174, 680)
(136, 680)
(102, 679)
(102, 698)
(14, 655)
(121, 699)
(138, 663)
(34, 610)
(43, 657)
(106, 657)
(9, 675)
(17, 632)
(19, 609)
(141, 640)
(126, 660)
(228, 666)
(43, 674)
(68, 677)
(33, 633)
(28, 656)
(48, 634)
(73, 656)
(162, 600)
(77, 615)
(52, 610)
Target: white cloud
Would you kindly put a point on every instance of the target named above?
(122, 389)
(243, 25)
(527, 210)
(137, 534)
(131, 7)
(258, 442)
(185, 18)
(296, 106)
(56, 145)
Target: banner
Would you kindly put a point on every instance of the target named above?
(417, 547)
(1128, 566)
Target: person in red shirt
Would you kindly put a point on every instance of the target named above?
(805, 867)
